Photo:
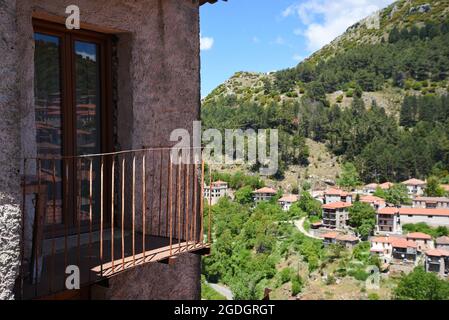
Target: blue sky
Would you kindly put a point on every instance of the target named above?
(268, 35)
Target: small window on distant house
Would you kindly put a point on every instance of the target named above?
(430, 216)
(410, 216)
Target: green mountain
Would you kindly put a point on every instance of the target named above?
(375, 96)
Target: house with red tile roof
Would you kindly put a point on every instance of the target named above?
(387, 221)
(431, 202)
(386, 185)
(370, 188)
(391, 219)
(217, 190)
(264, 194)
(423, 241)
(336, 215)
(334, 237)
(337, 195)
(404, 250)
(376, 202)
(390, 248)
(415, 186)
(287, 200)
(442, 243)
(382, 247)
(437, 260)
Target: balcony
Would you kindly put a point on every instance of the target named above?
(108, 213)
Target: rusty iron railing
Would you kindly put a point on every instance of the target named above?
(107, 213)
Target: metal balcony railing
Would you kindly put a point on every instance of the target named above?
(107, 213)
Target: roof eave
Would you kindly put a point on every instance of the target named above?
(208, 1)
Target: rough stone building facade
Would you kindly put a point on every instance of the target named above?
(155, 89)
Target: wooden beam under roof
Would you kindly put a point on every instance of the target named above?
(208, 1)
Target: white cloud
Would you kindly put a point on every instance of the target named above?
(324, 20)
(256, 39)
(206, 43)
(91, 56)
(298, 57)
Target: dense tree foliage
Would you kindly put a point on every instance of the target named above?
(349, 177)
(421, 285)
(419, 54)
(247, 246)
(362, 217)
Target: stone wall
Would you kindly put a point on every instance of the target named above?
(158, 90)
(10, 214)
(180, 281)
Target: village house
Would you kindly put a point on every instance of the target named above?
(391, 219)
(286, 201)
(388, 221)
(263, 194)
(375, 202)
(401, 248)
(404, 250)
(89, 176)
(336, 215)
(431, 202)
(346, 240)
(415, 187)
(445, 188)
(337, 195)
(442, 243)
(382, 247)
(386, 185)
(218, 190)
(370, 188)
(437, 260)
(423, 241)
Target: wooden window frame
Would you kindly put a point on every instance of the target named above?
(68, 117)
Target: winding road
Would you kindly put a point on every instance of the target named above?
(222, 290)
(300, 225)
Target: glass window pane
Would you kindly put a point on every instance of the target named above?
(88, 124)
(48, 116)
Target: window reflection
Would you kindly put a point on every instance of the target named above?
(48, 117)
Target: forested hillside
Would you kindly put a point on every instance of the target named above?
(378, 99)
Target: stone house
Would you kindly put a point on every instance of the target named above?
(370, 188)
(391, 219)
(437, 260)
(404, 250)
(346, 240)
(423, 241)
(431, 202)
(415, 187)
(286, 201)
(375, 202)
(442, 243)
(263, 194)
(88, 173)
(215, 192)
(336, 215)
(394, 249)
(337, 195)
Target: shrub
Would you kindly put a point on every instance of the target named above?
(297, 285)
(330, 280)
(286, 275)
(373, 296)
